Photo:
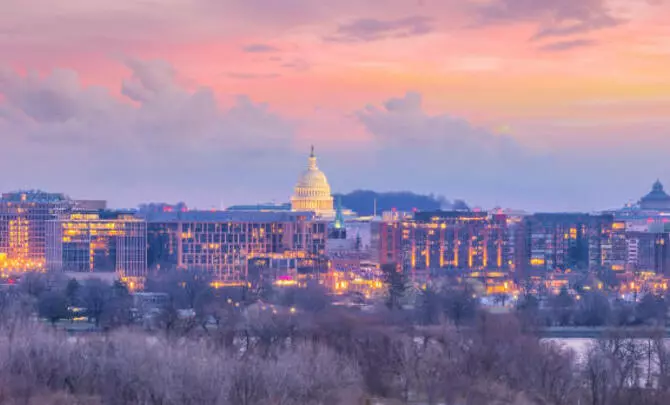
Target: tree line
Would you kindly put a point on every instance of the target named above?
(268, 345)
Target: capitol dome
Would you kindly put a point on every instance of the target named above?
(312, 191)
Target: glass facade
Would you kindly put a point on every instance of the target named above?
(567, 241)
(23, 227)
(105, 242)
(224, 243)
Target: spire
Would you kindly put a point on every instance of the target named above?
(658, 186)
(339, 217)
(311, 164)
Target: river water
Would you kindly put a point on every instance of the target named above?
(579, 345)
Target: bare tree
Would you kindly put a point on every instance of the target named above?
(96, 295)
(52, 305)
(33, 284)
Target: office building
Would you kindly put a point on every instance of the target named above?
(614, 247)
(98, 242)
(386, 236)
(648, 248)
(564, 241)
(431, 241)
(23, 225)
(651, 252)
(225, 243)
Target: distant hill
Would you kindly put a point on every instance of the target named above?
(362, 202)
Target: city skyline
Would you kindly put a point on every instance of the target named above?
(554, 105)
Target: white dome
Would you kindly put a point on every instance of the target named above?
(312, 183)
(312, 191)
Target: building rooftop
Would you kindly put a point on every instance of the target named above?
(429, 215)
(101, 215)
(228, 216)
(260, 207)
(570, 216)
(34, 196)
(162, 207)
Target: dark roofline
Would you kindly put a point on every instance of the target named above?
(35, 196)
(575, 216)
(429, 215)
(227, 216)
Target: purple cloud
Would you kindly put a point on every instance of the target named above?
(149, 80)
(446, 154)
(556, 17)
(402, 122)
(297, 64)
(567, 45)
(54, 99)
(259, 48)
(159, 135)
(370, 29)
(252, 76)
(441, 153)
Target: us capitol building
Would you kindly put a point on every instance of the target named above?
(312, 191)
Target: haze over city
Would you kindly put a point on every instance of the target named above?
(547, 105)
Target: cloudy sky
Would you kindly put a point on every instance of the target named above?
(537, 104)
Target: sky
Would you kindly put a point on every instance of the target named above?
(544, 105)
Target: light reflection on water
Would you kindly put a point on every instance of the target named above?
(579, 346)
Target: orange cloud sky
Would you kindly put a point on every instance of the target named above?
(546, 75)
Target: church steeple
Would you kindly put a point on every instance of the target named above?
(337, 228)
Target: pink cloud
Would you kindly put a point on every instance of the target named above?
(160, 125)
(84, 76)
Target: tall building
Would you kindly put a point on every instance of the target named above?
(312, 191)
(650, 252)
(23, 225)
(614, 247)
(224, 243)
(516, 243)
(562, 241)
(98, 242)
(648, 248)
